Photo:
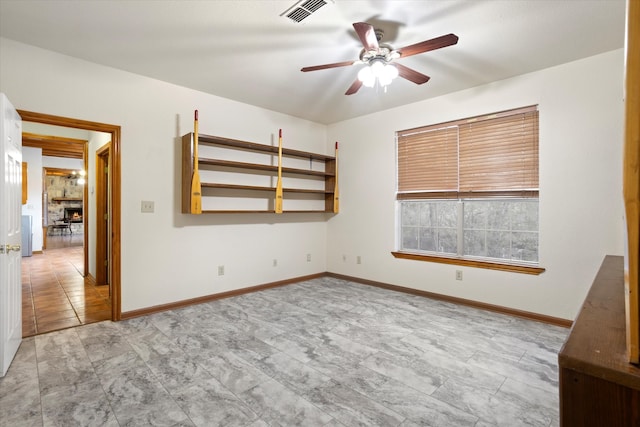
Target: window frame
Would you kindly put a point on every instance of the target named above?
(528, 192)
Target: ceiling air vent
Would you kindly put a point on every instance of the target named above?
(303, 9)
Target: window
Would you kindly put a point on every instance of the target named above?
(468, 190)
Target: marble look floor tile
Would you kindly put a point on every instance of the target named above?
(402, 370)
(293, 345)
(24, 367)
(247, 347)
(251, 327)
(362, 355)
(350, 407)
(103, 340)
(378, 335)
(440, 344)
(62, 372)
(137, 397)
(136, 325)
(209, 403)
(196, 345)
(83, 405)
(150, 343)
(119, 365)
(417, 407)
(530, 344)
(176, 371)
(58, 344)
(554, 336)
(20, 404)
(171, 323)
(235, 373)
(534, 374)
(534, 399)
(277, 405)
(293, 374)
(497, 410)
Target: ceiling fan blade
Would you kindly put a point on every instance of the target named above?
(427, 45)
(367, 35)
(325, 66)
(411, 74)
(357, 84)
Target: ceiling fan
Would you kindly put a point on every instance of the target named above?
(380, 56)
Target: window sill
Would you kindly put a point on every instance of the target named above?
(513, 268)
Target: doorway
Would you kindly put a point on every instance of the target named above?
(112, 238)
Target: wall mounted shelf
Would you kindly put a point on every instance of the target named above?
(239, 177)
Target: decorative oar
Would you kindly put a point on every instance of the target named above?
(336, 195)
(196, 190)
(279, 185)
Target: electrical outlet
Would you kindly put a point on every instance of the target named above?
(358, 260)
(221, 270)
(308, 257)
(458, 274)
(275, 262)
(146, 206)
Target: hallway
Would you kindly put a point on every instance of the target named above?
(54, 293)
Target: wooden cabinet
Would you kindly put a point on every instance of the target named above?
(240, 176)
(598, 386)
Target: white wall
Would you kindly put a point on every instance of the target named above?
(581, 121)
(168, 256)
(33, 157)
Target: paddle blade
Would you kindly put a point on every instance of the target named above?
(196, 188)
(278, 204)
(196, 194)
(336, 195)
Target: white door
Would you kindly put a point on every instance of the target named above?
(10, 238)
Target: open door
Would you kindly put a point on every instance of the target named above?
(10, 235)
(102, 215)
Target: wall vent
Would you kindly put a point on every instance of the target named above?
(303, 9)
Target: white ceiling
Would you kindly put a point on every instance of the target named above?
(245, 51)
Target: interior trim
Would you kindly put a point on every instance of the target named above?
(558, 321)
(513, 268)
(455, 300)
(213, 297)
(55, 146)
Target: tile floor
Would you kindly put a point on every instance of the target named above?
(323, 352)
(54, 293)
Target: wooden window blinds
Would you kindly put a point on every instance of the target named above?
(494, 155)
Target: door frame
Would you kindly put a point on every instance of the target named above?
(103, 159)
(114, 183)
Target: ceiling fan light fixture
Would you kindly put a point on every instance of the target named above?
(365, 75)
(377, 70)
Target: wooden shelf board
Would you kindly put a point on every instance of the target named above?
(66, 199)
(218, 140)
(259, 188)
(262, 211)
(259, 166)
